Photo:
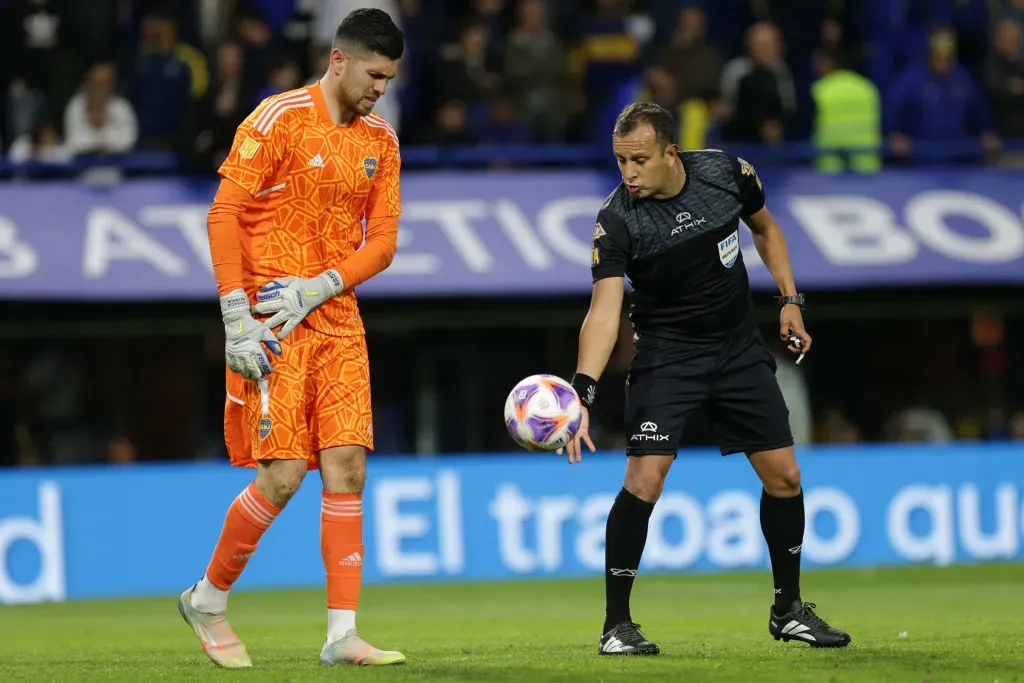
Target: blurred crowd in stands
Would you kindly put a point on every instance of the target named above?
(109, 77)
(113, 76)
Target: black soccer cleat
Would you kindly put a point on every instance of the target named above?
(626, 639)
(801, 623)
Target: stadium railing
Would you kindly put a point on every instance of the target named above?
(966, 151)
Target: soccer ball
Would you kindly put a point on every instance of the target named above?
(542, 413)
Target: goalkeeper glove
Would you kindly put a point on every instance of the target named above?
(244, 338)
(291, 299)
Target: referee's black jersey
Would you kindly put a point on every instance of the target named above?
(682, 254)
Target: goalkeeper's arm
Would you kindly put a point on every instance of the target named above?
(289, 300)
(244, 336)
(225, 234)
(376, 255)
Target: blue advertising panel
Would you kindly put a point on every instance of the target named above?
(141, 530)
(516, 233)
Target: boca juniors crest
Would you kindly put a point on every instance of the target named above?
(370, 166)
(265, 426)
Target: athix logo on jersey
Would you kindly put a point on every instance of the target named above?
(266, 424)
(370, 166)
(649, 432)
(729, 249)
(248, 148)
(599, 231)
(686, 222)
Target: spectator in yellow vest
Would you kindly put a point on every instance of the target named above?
(847, 116)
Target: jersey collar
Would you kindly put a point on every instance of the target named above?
(321, 105)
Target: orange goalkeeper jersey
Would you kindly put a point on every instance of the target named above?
(313, 182)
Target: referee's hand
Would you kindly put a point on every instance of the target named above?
(791, 324)
(573, 449)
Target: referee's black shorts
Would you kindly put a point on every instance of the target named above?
(732, 379)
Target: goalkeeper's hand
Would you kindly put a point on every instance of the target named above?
(245, 337)
(291, 299)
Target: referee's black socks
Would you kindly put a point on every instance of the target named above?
(625, 537)
(782, 522)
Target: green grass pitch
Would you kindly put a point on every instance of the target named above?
(920, 624)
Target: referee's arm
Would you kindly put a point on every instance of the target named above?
(600, 331)
(768, 238)
(600, 328)
(597, 339)
(771, 247)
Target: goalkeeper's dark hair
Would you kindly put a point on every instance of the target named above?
(639, 113)
(371, 31)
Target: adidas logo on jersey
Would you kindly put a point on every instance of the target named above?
(353, 560)
(317, 161)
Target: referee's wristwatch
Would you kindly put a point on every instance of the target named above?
(796, 300)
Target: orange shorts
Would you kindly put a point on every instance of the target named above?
(319, 397)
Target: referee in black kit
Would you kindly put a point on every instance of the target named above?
(671, 226)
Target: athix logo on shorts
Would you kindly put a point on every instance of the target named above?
(686, 222)
(649, 432)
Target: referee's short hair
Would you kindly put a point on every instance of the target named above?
(638, 113)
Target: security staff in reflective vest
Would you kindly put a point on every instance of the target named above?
(848, 117)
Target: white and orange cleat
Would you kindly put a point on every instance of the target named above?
(351, 649)
(219, 642)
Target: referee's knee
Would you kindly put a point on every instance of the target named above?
(784, 482)
(645, 476)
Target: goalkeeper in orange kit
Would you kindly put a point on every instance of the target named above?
(306, 168)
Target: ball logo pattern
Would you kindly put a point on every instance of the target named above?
(542, 413)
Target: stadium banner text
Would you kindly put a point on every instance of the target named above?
(509, 233)
(123, 531)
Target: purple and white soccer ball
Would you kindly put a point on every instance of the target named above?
(542, 413)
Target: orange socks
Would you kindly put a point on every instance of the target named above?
(248, 517)
(341, 545)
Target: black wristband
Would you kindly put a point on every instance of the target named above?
(586, 388)
(796, 300)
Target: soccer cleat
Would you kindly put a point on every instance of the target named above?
(219, 642)
(351, 649)
(801, 623)
(626, 639)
